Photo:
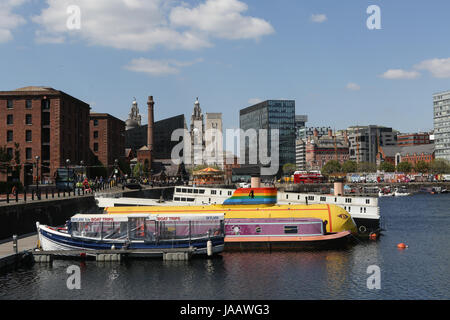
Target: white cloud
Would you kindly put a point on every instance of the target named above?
(8, 19)
(221, 19)
(145, 24)
(395, 74)
(353, 86)
(158, 67)
(253, 101)
(439, 68)
(318, 18)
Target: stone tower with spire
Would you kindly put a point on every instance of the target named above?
(197, 135)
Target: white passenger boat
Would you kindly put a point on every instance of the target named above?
(136, 233)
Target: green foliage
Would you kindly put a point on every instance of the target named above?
(289, 169)
(387, 167)
(349, 166)
(422, 167)
(332, 166)
(440, 166)
(404, 167)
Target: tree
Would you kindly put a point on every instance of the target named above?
(404, 167)
(289, 169)
(422, 167)
(387, 167)
(349, 166)
(367, 167)
(332, 166)
(440, 166)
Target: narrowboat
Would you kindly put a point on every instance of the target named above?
(136, 233)
(274, 225)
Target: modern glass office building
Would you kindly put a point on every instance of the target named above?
(272, 114)
(441, 111)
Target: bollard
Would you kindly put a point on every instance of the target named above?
(7, 197)
(17, 196)
(46, 193)
(53, 193)
(58, 193)
(25, 194)
(209, 249)
(15, 248)
(32, 194)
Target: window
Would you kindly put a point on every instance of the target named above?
(28, 136)
(95, 147)
(28, 119)
(9, 119)
(10, 104)
(28, 153)
(9, 151)
(290, 229)
(9, 136)
(45, 104)
(95, 122)
(323, 199)
(28, 104)
(95, 134)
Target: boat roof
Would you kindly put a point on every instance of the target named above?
(157, 217)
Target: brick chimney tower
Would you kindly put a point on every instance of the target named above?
(151, 105)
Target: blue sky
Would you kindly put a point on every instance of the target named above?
(230, 53)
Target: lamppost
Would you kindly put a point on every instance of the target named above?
(37, 176)
(116, 172)
(67, 168)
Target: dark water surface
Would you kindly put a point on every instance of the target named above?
(422, 271)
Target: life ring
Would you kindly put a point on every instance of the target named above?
(362, 229)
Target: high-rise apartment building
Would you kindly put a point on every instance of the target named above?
(441, 111)
(271, 114)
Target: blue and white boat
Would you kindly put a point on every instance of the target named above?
(136, 233)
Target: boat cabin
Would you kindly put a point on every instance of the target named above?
(146, 227)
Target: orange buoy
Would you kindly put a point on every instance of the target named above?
(402, 246)
(373, 236)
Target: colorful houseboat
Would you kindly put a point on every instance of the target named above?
(253, 217)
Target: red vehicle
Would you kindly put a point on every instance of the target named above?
(308, 177)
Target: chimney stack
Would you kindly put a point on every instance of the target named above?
(150, 104)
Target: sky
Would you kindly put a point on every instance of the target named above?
(234, 53)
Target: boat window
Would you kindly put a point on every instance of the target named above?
(183, 199)
(189, 190)
(310, 197)
(220, 192)
(290, 229)
(190, 199)
(176, 199)
(323, 199)
(360, 210)
(213, 192)
(183, 190)
(348, 200)
(364, 209)
(178, 189)
(87, 229)
(229, 193)
(114, 230)
(136, 228)
(287, 196)
(298, 197)
(195, 190)
(258, 229)
(202, 191)
(367, 201)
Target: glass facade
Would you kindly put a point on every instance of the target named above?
(272, 114)
(441, 111)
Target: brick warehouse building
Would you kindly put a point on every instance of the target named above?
(46, 123)
(107, 138)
